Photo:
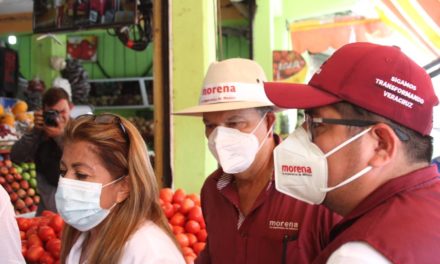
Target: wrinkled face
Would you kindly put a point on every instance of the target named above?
(63, 107)
(244, 120)
(345, 162)
(80, 162)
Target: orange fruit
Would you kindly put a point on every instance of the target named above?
(19, 107)
(7, 119)
(21, 117)
(2, 110)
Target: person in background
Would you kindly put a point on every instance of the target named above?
(43, 144)
(366, 143)
(10, 242)
(247, 219)
(109, 198)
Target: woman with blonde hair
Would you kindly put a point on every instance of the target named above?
(108, 196)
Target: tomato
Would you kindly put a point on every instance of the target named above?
(202, 223)
(198, 247)
(34, 240)
(166, 195)
(178, 196)
(53, 246)
(46, 258)
(34, 253)
(168, 209)
(178, 229)
(196, 214)
(192, 227)
(191, 238)
(46, 213)
(187, 251)
(202, 235)
(177, 207)
(23, 223)
(182, 239)
(187, 205)
(46, 233)
(56, 222)
(24, 248)
(195, 198)
(189, 259)
(178, 219)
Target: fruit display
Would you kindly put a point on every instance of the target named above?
(20, 183)
(40, 237)
(186, 220)
(145, 127)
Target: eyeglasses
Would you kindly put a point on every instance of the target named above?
(313, 122)
(107, 118)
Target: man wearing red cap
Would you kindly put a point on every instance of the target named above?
(364, 152)
(247, 220)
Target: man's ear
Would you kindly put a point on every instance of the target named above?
(270, 118)
(385, 143)
(124, 190)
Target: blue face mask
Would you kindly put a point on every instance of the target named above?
(78, 203)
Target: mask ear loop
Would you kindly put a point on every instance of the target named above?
(115, 181)
(357, 175)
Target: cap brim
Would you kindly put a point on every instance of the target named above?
(200, 109)
(300, 96)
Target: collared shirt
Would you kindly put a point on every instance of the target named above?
(148, 245)
(278, 228)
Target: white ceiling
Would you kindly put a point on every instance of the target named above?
(15, 6)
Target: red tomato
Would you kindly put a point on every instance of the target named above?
(202, 224)
(187, 205)
(187, 251)
(23, 223)
(196, 214)
(182, 239)
(46, 213)
(31, 231)
(46, 258)
(24, 248)
(34, 240)
(191, 238)
(177, 207)
(56, 222)
(202, 235)
(166, 195)
(34, 253)
(178, 196)
(195, 198)
(22, 235)
(192, 227)
(178, 229)
(46, 233)
(198, 247)
(53, 246)
(189, 259)
(168, 209)
(177, 219)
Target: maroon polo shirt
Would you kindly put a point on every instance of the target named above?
(278, 228)
(400, 220)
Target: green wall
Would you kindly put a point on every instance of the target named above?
(116, 60)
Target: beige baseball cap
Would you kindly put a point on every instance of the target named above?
(230, 85)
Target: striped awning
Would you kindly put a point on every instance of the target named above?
(418, 20)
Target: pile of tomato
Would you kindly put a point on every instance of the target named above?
(40, 237)
(186, 220)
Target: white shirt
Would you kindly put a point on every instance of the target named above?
(148, 245)
(357, 253)
(10, 243)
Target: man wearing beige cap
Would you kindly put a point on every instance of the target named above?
(247, 220)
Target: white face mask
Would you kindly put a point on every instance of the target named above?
(234, 150)
(78, 203)
(301, 167)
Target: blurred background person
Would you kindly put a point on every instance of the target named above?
(43, 145)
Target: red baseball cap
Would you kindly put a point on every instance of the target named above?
(381, 79)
